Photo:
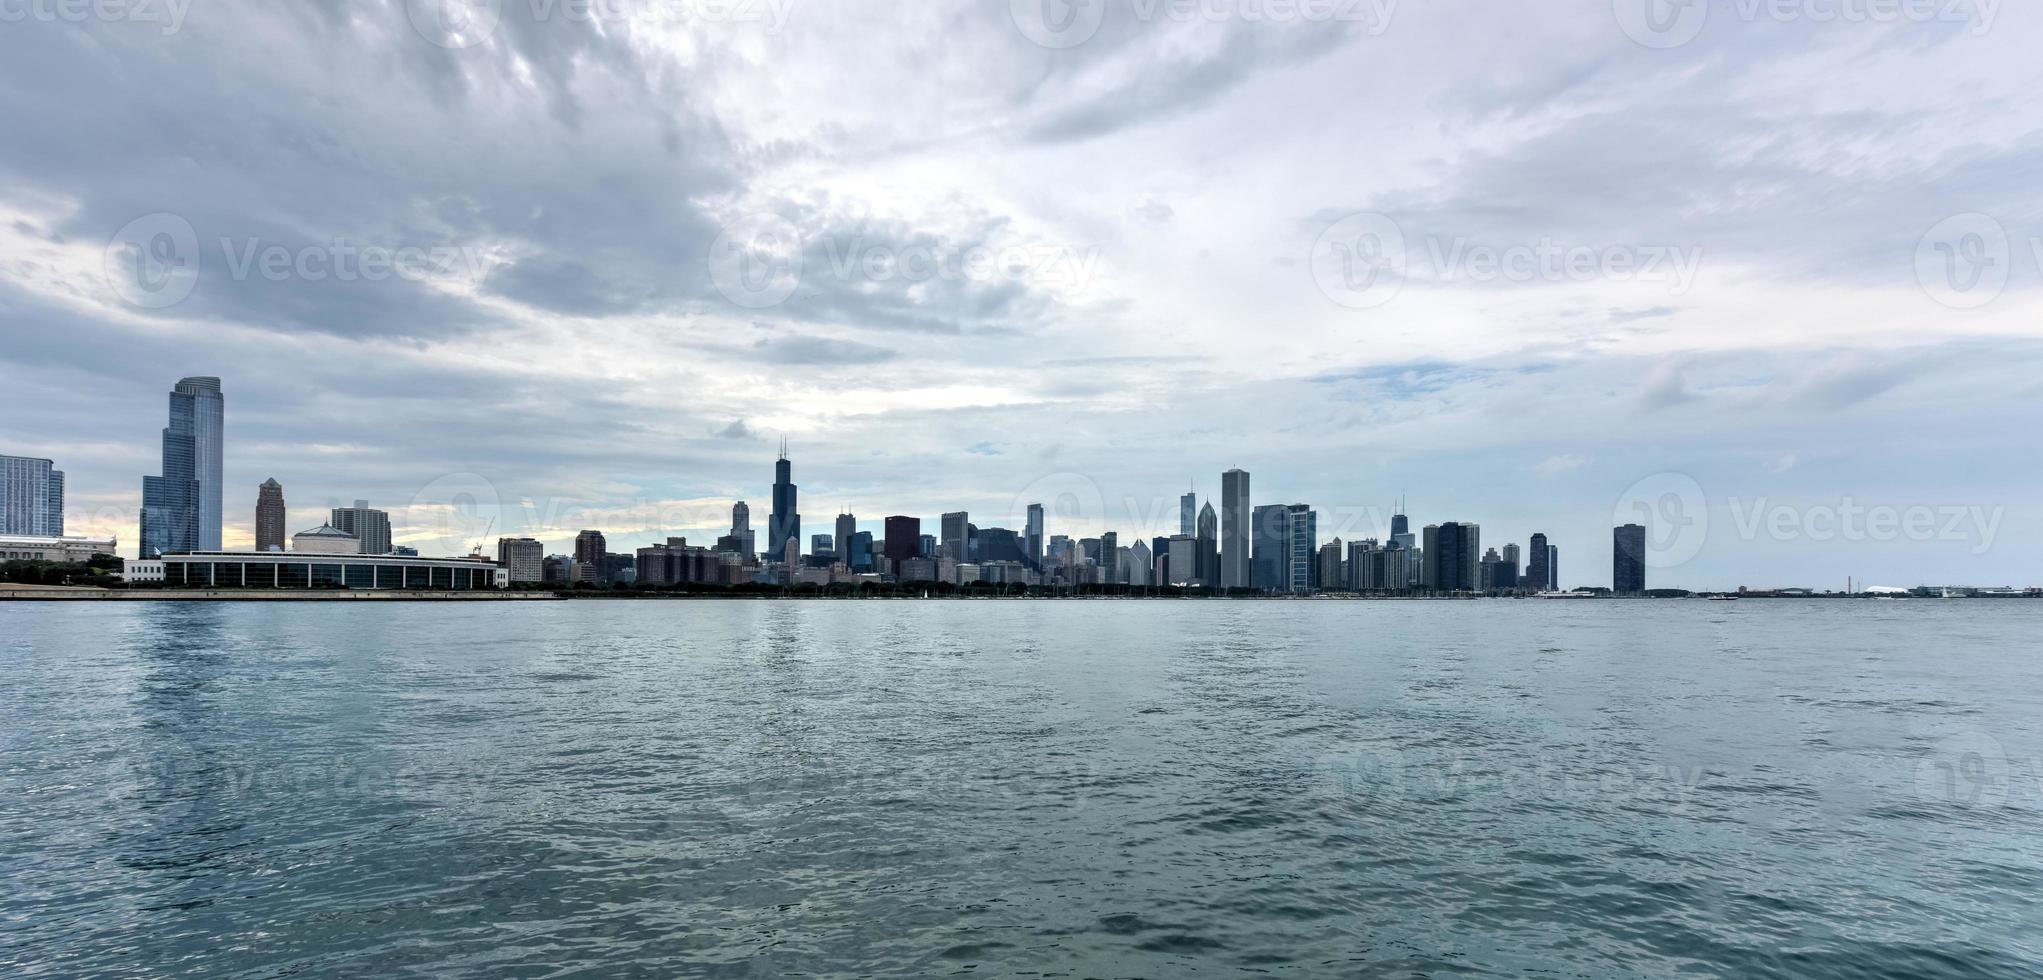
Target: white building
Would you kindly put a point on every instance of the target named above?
(326, 540)
(15, 547)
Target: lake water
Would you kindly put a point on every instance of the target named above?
(1046, 788)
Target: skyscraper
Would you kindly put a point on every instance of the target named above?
(786, 520)
(269, 516)
(366, 523)
(847, 525)
(1553, 568)
(1270, 566)
(904, 541)
(1452, 557)
(956, 540)
(1235, 530)
(1301, 553)
(181, 508)
(1109, 560)
(1188, 514)
(1207, 531)
(31, 497)
(1539, 576)
(1628, 559)
(741, 529)
(523, 558)
(592, 556)
(1034, 530)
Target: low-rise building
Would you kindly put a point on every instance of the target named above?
(69, 551)
(280, 570)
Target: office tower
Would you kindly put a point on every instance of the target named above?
(1184, 559)
(1188, 514)
(956, 540)
(785, 523)
(523, 558)
(1451, 559)
(847, 526)
(904, 540)
(181, 508)
(371, 526)
(741, 529)
(1270, 561)
(860, 558)
(926, 546)
(1159, 557)
(1553, 567)
(1089, 548)
(1235, 530)
(592, 556)
(1512, 558)
(1401, 535)
(1491, 570)
(996, 544)
(1360, 564)
(1109, 560)
(1034, 530)
(1301, 566)
(31, 497)
(1140, 568)
(1628, 560)
(823, 545)
(269, 516)
(1207, 532)
(1397, 567)
(1333, 571)
(1539, 577)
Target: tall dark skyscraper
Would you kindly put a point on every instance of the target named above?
(1188, 514)
(1236, 530)
(1538, 575)
(840, 545)
(786, 520)
(269, 516)
(181, 508)
(1270, 565)
(1453, 557)
(1628, 559)
(1207, 546)
(904, 541)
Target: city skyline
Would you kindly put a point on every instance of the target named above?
(1784, 326)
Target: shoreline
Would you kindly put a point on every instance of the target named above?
(87, 594)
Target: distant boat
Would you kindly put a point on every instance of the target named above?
(1564, 595)
(1953, 594)
(1723, 598)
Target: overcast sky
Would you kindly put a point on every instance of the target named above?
(1767, 270)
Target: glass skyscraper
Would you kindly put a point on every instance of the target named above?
(181, 508)
(31, 497)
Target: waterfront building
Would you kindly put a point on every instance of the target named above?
(56, 549)
(366, 523)
(903, 542)
(1235, 530)
(280, 570)
(1450, 557)
(31, 497)
(1184, 559)
(956, 540)
(1539, 577)
(1140, 566)
(1361, 558)
(1109, 558)
(524, 559)
(1270, 558)
(1301, 566)
(1628, 559)
(269, 516)
(591, 558)
(1553, 567)
(181, 508)
(785, 524)
(1034, 529)
(326, 540)
(1333, 573)
(1207, 531)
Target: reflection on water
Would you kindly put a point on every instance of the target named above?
(1078, 788)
